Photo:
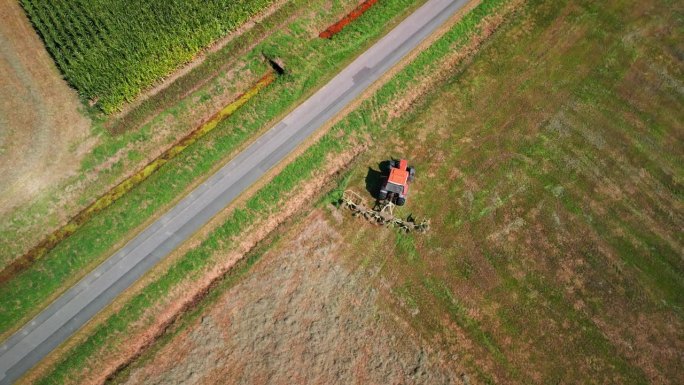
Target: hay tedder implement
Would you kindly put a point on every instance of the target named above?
(382, 213)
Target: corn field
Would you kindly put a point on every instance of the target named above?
(111, 50)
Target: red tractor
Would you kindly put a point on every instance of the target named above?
(395, 186)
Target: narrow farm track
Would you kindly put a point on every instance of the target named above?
(80, 303)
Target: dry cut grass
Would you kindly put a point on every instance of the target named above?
(42, 131)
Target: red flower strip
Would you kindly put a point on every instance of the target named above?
(337, 27)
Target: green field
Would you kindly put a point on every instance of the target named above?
(111, 50)
(551, 168)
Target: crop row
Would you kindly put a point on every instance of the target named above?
(111, 50)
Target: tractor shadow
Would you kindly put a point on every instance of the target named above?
(375, 178)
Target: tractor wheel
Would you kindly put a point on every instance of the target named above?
(394, 163)
(401, 201)
(412, 174)
(382, 195)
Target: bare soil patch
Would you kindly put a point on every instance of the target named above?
(42, 132)
(37, 252)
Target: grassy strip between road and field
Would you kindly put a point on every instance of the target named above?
(311, 62)
(129, 183)
(367, 119)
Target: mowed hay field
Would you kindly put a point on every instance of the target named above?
(42, 131)
(111, 50)
(551, 168)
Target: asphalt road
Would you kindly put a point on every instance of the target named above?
(81, 302)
